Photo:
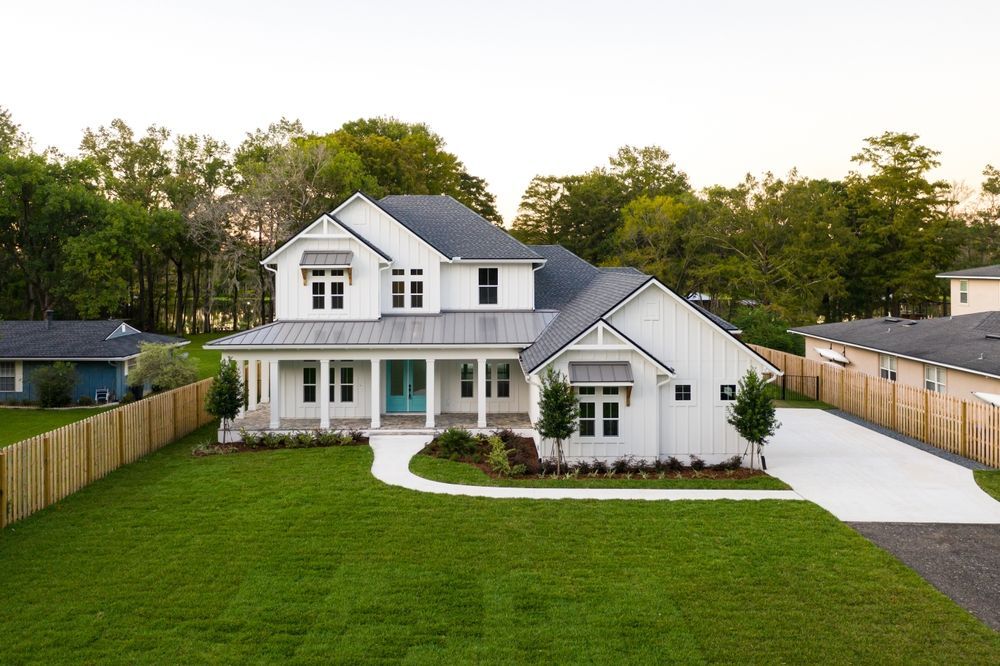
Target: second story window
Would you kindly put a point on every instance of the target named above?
(398, 288)
(337, 295)
(407, 293)
(489, 280)
(319, 295)
(963, 292)
(416, 287)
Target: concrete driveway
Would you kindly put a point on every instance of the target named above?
(862, 476)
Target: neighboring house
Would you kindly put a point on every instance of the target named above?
(957, 355)
(413, 312)
(102, 351)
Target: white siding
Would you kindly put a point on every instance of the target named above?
(361, 292)
(406, 250)
(450, 391)
(293, 406)
(460, 286)
(704, 357)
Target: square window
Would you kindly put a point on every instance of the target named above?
(727, 392)
(682, 392)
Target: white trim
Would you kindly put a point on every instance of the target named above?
(691, 306)
(967, 277)
(326, 219)
(18, 376)
(603, 323)
(896, 354)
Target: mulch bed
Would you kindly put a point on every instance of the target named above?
(240, 447)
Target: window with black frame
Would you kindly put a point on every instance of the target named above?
(489, 281)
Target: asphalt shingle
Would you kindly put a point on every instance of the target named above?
(66, 339)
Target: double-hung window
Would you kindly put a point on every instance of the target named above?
(398, 288)
(337, 295)
(319, 295)
(468, 380)
(308, 384)
(346, 384)
(606, 404)
(588, 414)
(489, 281)
(8, 376)
(935, 378)
(887, 367)
(502, 371)
(963, 292)
(416, 288)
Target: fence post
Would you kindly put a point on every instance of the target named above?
(4, 490)
(88, 438)
(842, 388)
(927, 416)
(149, 425)
(120, 418)
(47, 474)
(864, 405)
(895, 408)
(963, 441)
(173, 409)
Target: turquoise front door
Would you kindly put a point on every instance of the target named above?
(406, 386)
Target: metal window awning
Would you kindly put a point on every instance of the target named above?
(603, 373)
(832, 355)
(313, 259)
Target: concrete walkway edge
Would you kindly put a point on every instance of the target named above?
(392, 466)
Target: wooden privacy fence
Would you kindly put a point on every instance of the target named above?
(968, 428)
(43, 469)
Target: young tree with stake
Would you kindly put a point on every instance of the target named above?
(558, 411)
(226, 395)
(753, 413)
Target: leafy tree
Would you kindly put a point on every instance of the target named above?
(225, 395)
(162, 366)
(541, 212)
(648, 171)
(752, 414)
(54, 384)
(13, 140)
(763, 326)
(558, 411)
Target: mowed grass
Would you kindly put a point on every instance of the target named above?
(302, 556)
(18, 424)
(207, 360)
(448, 471)
(989, 480)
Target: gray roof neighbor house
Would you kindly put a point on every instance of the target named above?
(77, 340)
(982, 272)
(969, 341)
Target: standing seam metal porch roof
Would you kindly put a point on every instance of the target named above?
(517, 328)
(600, 372)
(326, 258)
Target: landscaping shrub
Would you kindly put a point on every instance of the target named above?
(295, 440)
(126, 399)
(697, 464)
(729, 464)
(54, 384)
(456, 442)
(85, 401)
(499, 458)
(673, 464)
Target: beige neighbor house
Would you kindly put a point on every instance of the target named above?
(958, 355)
(413, 313)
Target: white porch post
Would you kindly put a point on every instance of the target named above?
(275, 395)
(430, 393)
(324, 393)
(376, 401)
(252, 397)
(481, 391)
(265, 381)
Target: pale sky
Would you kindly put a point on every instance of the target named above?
(521, 88)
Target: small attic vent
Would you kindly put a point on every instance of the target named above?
(892, 320)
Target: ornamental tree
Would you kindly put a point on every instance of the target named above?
(558, 411)
(753, 413)
(225, 396)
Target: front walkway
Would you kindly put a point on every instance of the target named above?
(392, 466)
(860, 475)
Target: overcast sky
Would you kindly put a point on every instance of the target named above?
(522, 88)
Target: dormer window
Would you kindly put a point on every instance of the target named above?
(417, 288)
(319, 294)
(489, 281)
(319, 289)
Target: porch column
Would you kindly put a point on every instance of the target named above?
(252, 398)
(481, 391)
(376, 383)
(324, 393)
(275, 395)
(430, 393)
(265, 381)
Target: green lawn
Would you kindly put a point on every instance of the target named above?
(989, 480)
(206, 360)
(302, 556)
(439, 469)
(18, 424)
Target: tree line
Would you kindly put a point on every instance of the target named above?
(168, 229)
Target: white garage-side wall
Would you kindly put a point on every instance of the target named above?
(361, 292)
(703, 356)
(293, 405)
(460, 286)
(406, 249)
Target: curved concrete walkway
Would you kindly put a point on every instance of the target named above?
(392, 466)
(860, 475)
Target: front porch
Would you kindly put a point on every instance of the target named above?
(259, 420)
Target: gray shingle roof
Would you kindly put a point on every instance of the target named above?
(448, 328)
(600, 372)
(602, 293)
(981, 272)
(72, 339)
(958, 341)
(561, 279)
(722, 323)
(453, 229)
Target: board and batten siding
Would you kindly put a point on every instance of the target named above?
(449, 375)
(293, 299)
(703, 356)
(460, 286)
(406, 250)
(293, 405)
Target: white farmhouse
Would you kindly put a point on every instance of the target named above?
(414, 313)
